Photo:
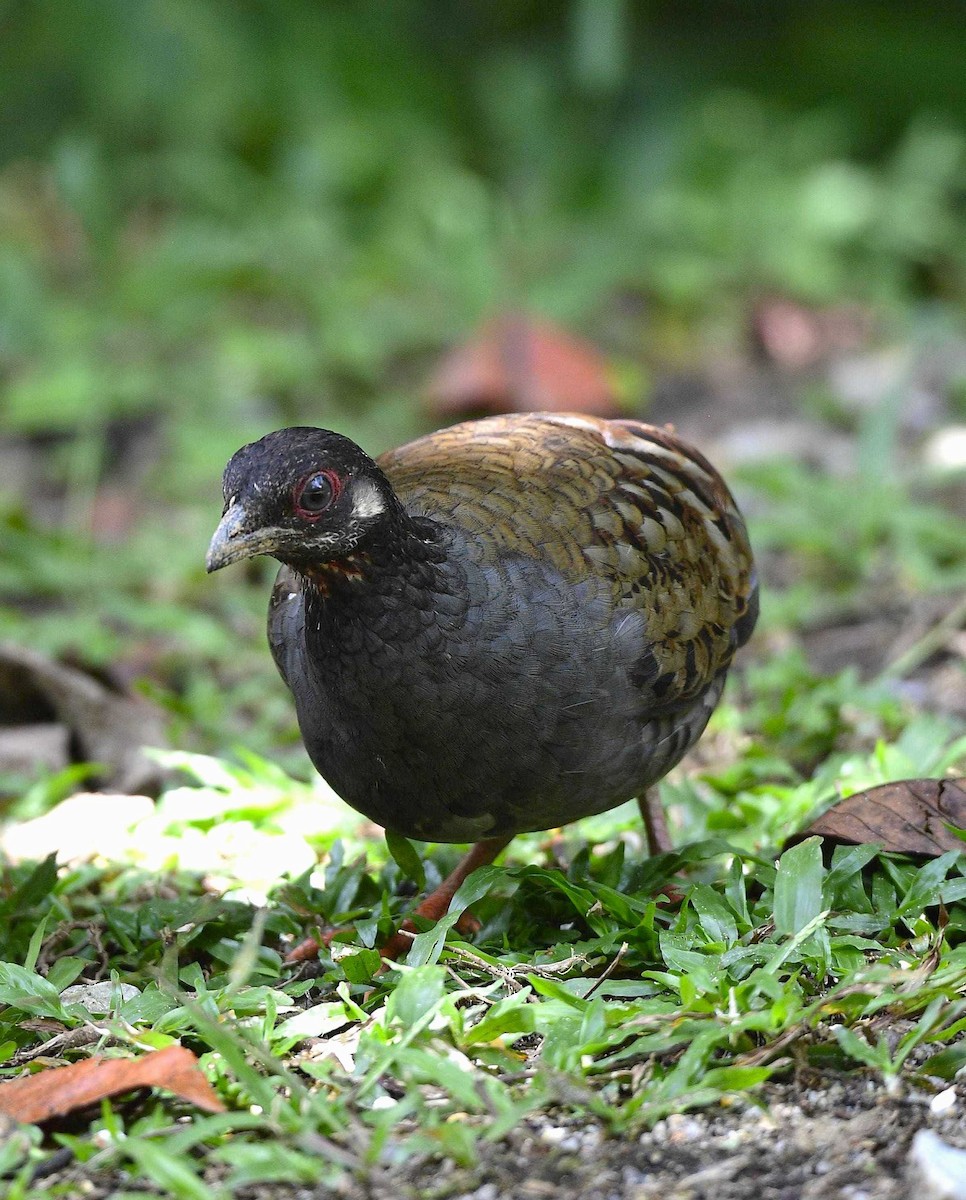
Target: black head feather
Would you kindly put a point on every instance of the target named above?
(303, 496)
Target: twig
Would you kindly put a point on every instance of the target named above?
(506, 974)
(60, 934)
(932, 640)
(609, 970)
(73, 1039)
(511, 975)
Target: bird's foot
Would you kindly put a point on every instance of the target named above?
(435, 905)
(396, 947)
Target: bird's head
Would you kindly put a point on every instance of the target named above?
(304, 496)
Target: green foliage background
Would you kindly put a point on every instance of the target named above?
(241, 214)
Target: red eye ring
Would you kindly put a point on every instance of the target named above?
(315, 494)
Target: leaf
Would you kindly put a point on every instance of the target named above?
(514, 1016)
(361, 967)
(947, 1063)
(417, 992)
(474, 887)
(912, 816)
(798, 886)
(317, 1021)
(406, 858)
(29, 992)
(36, 887)
(926, 887)
(716, 919)
(846, 864)
(735, 1078)
(56, 1092)
(175, 1175)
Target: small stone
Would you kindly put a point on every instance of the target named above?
(943, 1101)
(99, 997)
(682, 1128)
(553, 1135)
(657, 1135)
(936, 1170)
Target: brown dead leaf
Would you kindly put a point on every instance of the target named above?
(517, 363)
(55, 1093)
(909, 817)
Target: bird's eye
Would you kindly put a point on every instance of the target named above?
(316, 493)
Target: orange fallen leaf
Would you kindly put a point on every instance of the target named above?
(57, 1092)
(908, 817)
(517, 363)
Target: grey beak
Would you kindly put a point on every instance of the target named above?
(232, 540)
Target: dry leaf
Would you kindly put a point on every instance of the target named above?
(909, 817)
(55, 1093)
(519, 364)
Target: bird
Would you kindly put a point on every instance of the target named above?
(500, 627)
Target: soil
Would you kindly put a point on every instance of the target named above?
(847, 1139)
(844, 1137)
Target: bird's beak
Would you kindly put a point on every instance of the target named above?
(234, 540)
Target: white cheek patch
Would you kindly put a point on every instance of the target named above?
(366, 501)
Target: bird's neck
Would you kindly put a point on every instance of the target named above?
(385, 574)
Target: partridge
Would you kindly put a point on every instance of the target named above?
(501, 627)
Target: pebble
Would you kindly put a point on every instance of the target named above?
(945, 450)
(943, 1101)
(98, 997)
(553, 1135)
(936, 1170)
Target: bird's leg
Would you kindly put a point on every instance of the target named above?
(432, 908)
(658, 838)
(438, 901)
(655, 822)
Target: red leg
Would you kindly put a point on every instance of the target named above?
(655, 822)
(308, 948)
(432, 908)
(658, 838)
(437, 902)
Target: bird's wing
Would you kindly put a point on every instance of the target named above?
(286, 614)
(621, 501)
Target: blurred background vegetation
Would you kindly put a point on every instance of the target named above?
(221, 216)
